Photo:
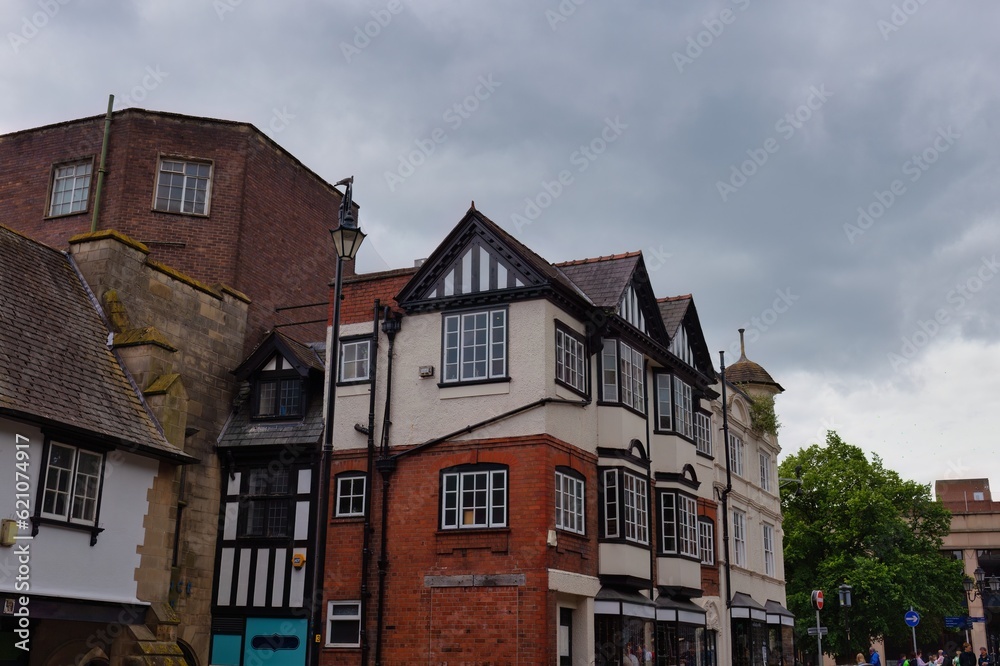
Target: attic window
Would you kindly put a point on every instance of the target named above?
(279, 391)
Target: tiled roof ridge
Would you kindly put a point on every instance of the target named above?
(593, 260)
(669, 299)
(381, 275)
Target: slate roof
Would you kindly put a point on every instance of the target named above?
(55, 366)
(602, 279)
(672, 310)
(242, 431)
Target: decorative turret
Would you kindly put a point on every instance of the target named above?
(751, 376)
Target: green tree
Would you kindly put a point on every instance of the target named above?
(856, 522)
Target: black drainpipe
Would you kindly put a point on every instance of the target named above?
(651, 496)
(386, 465)
(366, 539)
(729, 483)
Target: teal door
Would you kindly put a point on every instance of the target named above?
(275, 642)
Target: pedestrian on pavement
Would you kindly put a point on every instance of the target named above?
(967, 658)
(984, 659)
(873, 657)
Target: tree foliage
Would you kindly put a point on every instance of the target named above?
(858, 523)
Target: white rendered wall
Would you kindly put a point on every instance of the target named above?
(62, 562)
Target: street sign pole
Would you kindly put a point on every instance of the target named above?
(819, 640)
(817, 602)
(913, 627)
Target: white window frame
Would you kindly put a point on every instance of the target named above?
(635, 496)
(736, 455)
(70, 491)
(355, 360)
(632, 373)
(462, 494)
(679, 524)
(767, 535)
(189, 182)
(703, 433)
(612, 522)
(570, 503)
(342, 617)
(571, 360)
(72, 179)
(664, 403)
(687, 525)
(347, 489)
(765, 471)
(684, 408)
(739, 538)
(459, 359)
(706, 541)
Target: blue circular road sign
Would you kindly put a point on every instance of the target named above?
(912, 618)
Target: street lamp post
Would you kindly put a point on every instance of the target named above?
(347, 238)
(977, 589)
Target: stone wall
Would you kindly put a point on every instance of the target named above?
(180, 338)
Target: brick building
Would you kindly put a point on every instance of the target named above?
(975, 539)
(204, 229)
(542, 484)
(216, 200)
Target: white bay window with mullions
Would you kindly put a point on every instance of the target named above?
(678, 524)
(571, 360)
(625, 504)
(570, 501)
(475, 346)
(623, 375)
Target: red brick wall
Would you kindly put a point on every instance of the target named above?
(360, 292)
(267, 229)
(710, 574)
(496, 625)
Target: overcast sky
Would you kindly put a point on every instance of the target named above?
(825, 175)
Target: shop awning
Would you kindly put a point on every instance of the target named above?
(778, 614)
(744, 606)
(623, 601)
(679, 609)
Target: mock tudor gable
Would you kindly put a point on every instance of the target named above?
(687, 341)
(480, 262)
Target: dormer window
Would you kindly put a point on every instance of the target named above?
(279, 391)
